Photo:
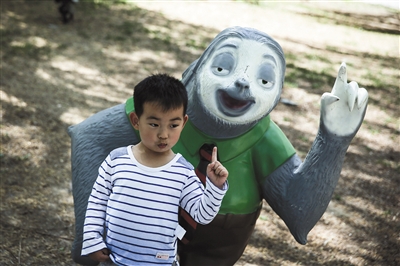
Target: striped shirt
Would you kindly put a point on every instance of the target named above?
(137, 206)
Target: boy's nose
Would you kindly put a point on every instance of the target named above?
(162, 134)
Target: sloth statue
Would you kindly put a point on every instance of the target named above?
(232, 89)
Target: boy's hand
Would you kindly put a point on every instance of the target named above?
(216, 172)
(100, 255)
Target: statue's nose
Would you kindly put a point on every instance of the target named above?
(242, 83)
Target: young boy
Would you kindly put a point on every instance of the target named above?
(140, 188)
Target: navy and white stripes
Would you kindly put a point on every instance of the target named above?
(138, 206)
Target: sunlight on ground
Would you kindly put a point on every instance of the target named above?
(64, 64)
(73, 116)
(98, 85)
(43, 74)
(135, 58)
(222, 15)
(11, 99)
(377, 120)
(22, 143)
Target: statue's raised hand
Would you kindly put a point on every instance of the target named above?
(343, 109)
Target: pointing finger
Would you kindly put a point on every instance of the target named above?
(214, 155)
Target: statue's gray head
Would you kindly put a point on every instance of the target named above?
(236, 82)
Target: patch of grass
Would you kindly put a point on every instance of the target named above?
(337, 197)
(29, 50)
(377, 79)
(7, 34)
(316, 80)
(251, 2)
(7, 160)
(83, 33)
(374, 130)
(62, 46)
(161, 37)
(290, 57)
(194, 44)
(131, 27)
(106, 3)
(126, 30)
(386, 163)
(303, 138)
(116, 38)
(387, 212)
(316, 57)
(5, 138)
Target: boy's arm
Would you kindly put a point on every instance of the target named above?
(202, 203)
(93, 227)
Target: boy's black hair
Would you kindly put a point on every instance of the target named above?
(161, 89)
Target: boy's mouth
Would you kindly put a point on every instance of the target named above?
(162, 145)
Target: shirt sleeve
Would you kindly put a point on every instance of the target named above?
(93, 227)
(202, 203)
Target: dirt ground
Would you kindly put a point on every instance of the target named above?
(54, 75)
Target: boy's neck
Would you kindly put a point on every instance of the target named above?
(150, 158)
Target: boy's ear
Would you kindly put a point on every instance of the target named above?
(185, 119)
(134, 120)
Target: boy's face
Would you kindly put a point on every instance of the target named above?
(159, 130)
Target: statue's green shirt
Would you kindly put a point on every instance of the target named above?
(249, 158)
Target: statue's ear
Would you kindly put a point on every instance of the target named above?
(134, 120)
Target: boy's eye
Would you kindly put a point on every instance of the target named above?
(174, 126)
(153, 125)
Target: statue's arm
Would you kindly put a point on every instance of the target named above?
(299, 192)
(91, 141)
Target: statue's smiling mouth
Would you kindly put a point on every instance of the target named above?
(231, 104)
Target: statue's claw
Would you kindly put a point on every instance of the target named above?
(362, 98)
(337, 107)
(328, 98)
(352, 90)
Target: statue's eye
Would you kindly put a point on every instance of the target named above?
(221, 71)
(266, 76)
(223, 64)
(265, 83)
